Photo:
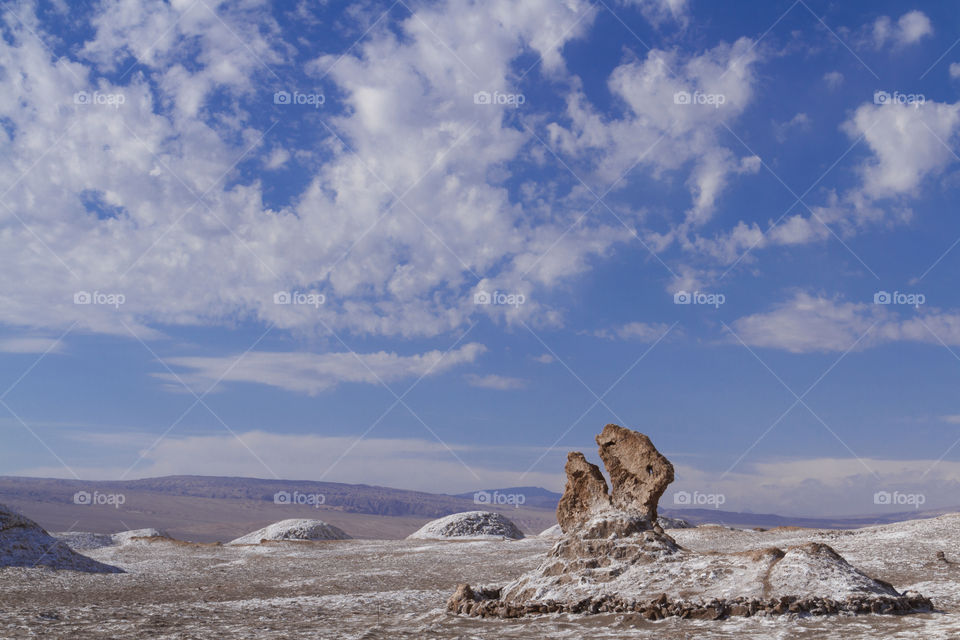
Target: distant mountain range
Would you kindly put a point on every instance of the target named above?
(206, 508)
(540, 498)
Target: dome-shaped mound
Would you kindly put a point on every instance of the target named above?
(551, 532)
(23, 543)
(476, 525)
(295, 529)
(126, 537)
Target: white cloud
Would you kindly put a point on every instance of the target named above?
(312, 373)
(494, 381)
(545, 358)
(908, 143)
(909, 29)
(661, 131)
(31, 345)
(954, 70)
(277, 158)
(833, 79)
(799, 122)
(822, 486)
(408, 125)
(640, 331)
(808, 323)
(659, 11)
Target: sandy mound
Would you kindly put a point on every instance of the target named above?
(296, 529)
(23, 543)
(614, 556)
(127, 537)
(472, 525)
(551, 532)
(85, 541)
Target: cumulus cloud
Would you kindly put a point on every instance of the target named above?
(312, 373)
(908, 143)
(675, 108)
(909, 29)
(404, 212)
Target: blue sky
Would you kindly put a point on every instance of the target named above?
(171, 172)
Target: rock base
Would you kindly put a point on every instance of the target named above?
(486, 602)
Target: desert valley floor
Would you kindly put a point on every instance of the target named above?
(398, 589)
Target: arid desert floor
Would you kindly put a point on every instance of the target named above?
(398, 589)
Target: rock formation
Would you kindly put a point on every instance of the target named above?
(613, 556)
(584, 495)
(469, 525)
(23, 543)
(639, 474)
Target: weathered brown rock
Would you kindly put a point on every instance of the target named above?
(615, 558)
(584, 495)
(639, 474)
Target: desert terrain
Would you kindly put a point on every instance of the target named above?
(399, 588)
